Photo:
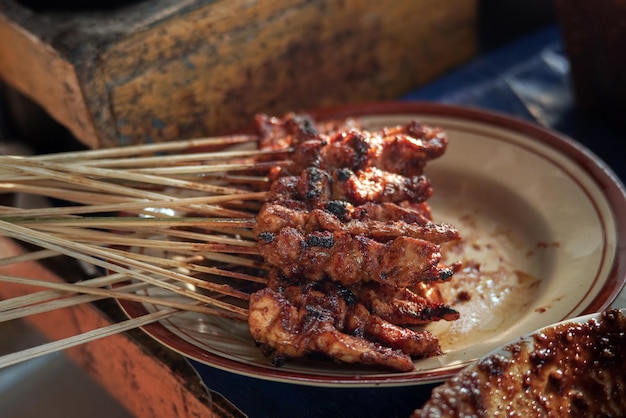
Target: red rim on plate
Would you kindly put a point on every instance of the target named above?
(601, 175)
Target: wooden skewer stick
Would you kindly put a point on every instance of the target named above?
(223, 235)
(206, 242)
(30, 256)
(220, 230)
(203, 242)
(83, 196)
(47, 295)
(198, 268)
(41, 350)
(133, 222)
(111, 261)
(104, 188)
(60, 299)
(200, 160)
(175, 262)
(108, 293)
(95, 237)
(129, 207)
(101, 281)
(16, 176)
(237, 178)
(49, 300)
(48, 305)
(71, 171)
(105, 202)
(42, 171)
(169, 146)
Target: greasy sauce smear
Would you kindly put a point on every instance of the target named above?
(571, 369)
(489, 291)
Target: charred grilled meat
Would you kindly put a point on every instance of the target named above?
(273, 217)
(350, 259)
(353, 250)
(314, 186)
(300, 320)
(402, 149)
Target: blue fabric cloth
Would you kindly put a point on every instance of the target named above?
(530, 80)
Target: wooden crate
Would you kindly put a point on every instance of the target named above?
(160, 70)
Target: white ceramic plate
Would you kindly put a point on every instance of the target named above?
(542, 218)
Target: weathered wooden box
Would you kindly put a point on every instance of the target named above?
(166, 69)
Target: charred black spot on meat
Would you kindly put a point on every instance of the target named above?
(315, 313)
(320, 240)
(347, 295)
(361, 149)
(344, 174)
(315, 183)
(446, 274)
(267, 236)
(315, 174)
(278, 361)
(306, 125)
(339, 208)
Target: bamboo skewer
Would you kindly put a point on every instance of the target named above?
(127, 207)
(107, 280)
(127, 192)
(46, 306)
(198, 160)
(68, 173)
(205, 263)
(85, 197)
(129, 222)
(201, 283)
(48, 300)
(170, 146)
(108, 293)
(32, 256)
(141, 244)
(91, 254)
(212, 243)
(48, 295)
(18, 174)
(44, 349)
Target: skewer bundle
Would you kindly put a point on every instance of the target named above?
(143, 216)
(177, 216)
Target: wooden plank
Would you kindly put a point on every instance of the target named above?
(40, 73)
(163, 70)
(149, 383)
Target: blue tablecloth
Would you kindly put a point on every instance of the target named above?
(528, 79)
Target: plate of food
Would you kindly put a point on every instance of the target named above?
(574, 368)
(400, 242)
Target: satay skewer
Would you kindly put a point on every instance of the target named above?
(55, 346)
(147, 187)
(191, 263)
(112, 261)
(44, 296)
(124, 293)
(195, 159)
(93, 176)
(185, 145)
(100, 205)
